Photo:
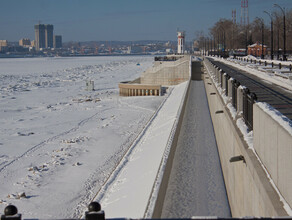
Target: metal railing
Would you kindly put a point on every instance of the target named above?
(265, 63)
(248, 98)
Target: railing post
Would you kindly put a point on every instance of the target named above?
(248, 101)
(221, 78)
(280, 66)
(245, 104)
(94, 212)
(10, 213)
(227, 77)
(235, 85)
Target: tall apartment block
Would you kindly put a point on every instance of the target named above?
(43, 36)
(49, 29)
(57, 41)
(40, 38)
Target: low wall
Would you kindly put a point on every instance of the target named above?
(164, 183)
(250, 192)
(273, 144)
(167, 72)
(132, 89)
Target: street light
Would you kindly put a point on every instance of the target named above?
(284, 30)
(262, 21)
(223, 40)
(272, 38)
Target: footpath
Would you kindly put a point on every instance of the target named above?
(196, 186)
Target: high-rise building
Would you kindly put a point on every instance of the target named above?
(49, 29)
(57, 41)
(40, 39)
(44, 36)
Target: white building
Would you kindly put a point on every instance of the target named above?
(180, 42)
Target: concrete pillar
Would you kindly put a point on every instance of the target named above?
(219, 77)
(217, 74)
(230, 87)
(143, 92)
(224, 81)
(239, 99)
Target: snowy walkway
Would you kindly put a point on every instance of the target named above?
(196, 186)
(127, 191)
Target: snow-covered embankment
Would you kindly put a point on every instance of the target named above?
(130, 192)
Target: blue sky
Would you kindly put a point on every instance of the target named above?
(85, 20)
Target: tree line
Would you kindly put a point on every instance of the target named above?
(226, 35)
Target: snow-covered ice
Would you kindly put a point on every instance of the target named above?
(58, 142)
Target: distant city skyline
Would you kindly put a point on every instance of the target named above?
(122, 20)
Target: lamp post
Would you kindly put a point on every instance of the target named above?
(213, 45)
(205, 46)
(222, 39)
(223, 47)
(272, 38)
(262, 21)
(278, 37)
(284, 30)
(218, 49)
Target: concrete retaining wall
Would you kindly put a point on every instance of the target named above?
(166, 174)
(273, 144)
(249, 190)
(167, 73)
(164, 183)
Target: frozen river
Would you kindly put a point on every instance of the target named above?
(58, 142)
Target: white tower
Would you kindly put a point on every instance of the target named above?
(180, 42)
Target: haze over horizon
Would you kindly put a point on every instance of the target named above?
(126, 20)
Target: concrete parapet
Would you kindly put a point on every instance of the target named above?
(166, 174)
(250, 192)
(273, 144)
